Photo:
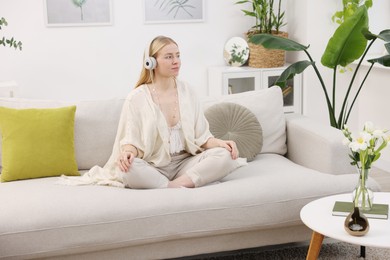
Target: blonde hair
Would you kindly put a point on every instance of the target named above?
(155, 46)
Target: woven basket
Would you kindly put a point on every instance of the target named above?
(260, 57)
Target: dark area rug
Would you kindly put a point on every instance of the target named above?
(329, 251)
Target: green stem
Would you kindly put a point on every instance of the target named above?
(334, 90)
(361, 190)
(278, 22)
(332, 117)
(351, 83)
(357, 93)
(271, 6)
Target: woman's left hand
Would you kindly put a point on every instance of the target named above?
(230, 146)
(227, 144)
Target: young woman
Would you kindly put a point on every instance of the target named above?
(163, 137)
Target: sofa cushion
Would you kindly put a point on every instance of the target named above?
(96, 123)
(37, 143)
(229, 121)
(267, 105)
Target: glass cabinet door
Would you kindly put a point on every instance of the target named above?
(288, 90)
(240, 82)
(291, 92)
(240, 85)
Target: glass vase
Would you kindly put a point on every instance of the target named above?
(363, 196)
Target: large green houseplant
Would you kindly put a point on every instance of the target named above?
(348, 43)
(10, 42)
(269, 21)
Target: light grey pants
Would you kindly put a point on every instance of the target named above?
(206, 167)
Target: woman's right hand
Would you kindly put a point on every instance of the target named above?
(124, 160)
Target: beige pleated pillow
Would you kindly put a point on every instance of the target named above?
(230, 121)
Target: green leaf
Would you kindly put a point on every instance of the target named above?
(347, 43)
(384, 35)
(387, 46)
(368, 3)
(385, 60)
(270, 41)
(337, 16)
(376, 157)
(248, 13)
(3, 22)
(79, 3)
(291, 71)
(242, 2)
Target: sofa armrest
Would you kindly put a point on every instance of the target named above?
(316, 146)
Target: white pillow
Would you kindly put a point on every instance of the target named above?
(267, 105)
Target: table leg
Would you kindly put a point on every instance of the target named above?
(315, 246)
(363, 251)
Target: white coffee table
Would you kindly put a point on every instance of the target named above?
(317, 215)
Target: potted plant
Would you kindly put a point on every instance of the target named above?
(10, 42)
(267, 21)
(348, 43)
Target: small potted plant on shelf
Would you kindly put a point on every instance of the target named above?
(267, 21)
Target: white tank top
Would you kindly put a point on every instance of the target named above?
(176, 139)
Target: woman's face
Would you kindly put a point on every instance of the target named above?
(168, 61)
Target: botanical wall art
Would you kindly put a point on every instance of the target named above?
(171, 11)
(78, 12)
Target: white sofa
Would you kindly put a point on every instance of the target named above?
(256, 205)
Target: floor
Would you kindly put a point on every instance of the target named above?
(382, 177)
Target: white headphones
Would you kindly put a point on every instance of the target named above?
(150, 62)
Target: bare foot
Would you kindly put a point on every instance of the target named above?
(182, 181)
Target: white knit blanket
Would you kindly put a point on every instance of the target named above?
(95, 176)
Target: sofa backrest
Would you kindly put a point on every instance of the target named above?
(96, 124)
(96, 121)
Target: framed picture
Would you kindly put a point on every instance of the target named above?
(174, 11)
(78, 12)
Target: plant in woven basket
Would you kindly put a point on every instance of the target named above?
(267, 21)
(348, 43)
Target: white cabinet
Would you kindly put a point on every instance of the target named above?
(229, 80)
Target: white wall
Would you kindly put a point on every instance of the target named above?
(98, 62)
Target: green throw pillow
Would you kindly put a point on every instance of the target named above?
(37, 143)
